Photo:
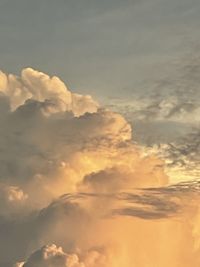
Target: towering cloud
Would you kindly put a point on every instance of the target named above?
(51, 139)
(70, 175)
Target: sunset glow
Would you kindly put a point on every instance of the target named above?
(99, 133)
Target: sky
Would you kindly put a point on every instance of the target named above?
(99, 133)
(105, 48)
(77, 190)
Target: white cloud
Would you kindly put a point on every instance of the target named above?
(38, 86)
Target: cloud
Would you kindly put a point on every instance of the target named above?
(51, 256)
(164, 108)
(71, 175)
(12, 200)
(166, 117)
(78, 222)
(51, 139)
(46, 128)
(38, 86)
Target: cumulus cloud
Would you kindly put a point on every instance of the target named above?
(51, 255)
(51, 139)
(34, 144)
(12, 199)
(38, 86)
(68, 172)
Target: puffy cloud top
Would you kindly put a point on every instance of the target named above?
(38, 86)
(50, 256)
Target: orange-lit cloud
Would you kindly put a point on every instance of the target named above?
(72, 176)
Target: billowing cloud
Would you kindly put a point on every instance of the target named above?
(103, 229)
(50, 256)
(72, 176)
(51, 139)
(38, 86)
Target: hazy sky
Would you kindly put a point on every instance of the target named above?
(70, 167)
(102, 47)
